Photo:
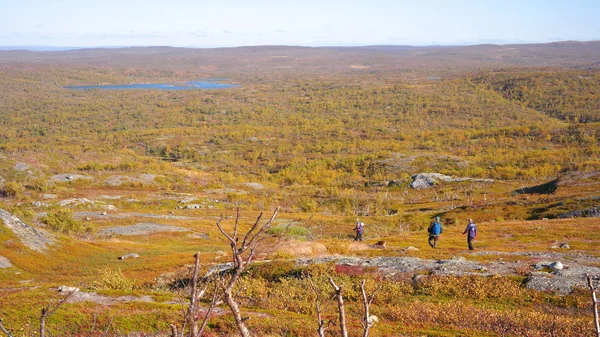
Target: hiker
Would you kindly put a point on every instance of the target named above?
(359, 230)
(471, 232)
(434, 230)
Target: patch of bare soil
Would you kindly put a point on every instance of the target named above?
(300, 248)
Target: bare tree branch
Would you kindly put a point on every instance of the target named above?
(108, 327)
(93, 326)
(250, 241)
(237, 222)
(367, 321)
(252, 229)
(340, 300)
(323, 325)
(174, 331)
(47, 312)
(231, 240)
(215, 300)
(191, 317)
(594, 303)
(4, 329)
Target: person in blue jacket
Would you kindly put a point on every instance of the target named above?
(434, 230)
(471, 232)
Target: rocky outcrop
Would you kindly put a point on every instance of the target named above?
(144, 179)
(70, 177)
(546, 188)
(143, 228)
(428, 180)
(592, 212)
(4, 262)
(34, 239)
(21, 167)
(129, 256)
(557, 277)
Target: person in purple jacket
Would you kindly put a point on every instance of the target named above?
(471, 232)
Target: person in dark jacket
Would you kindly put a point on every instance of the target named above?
(471, 232)
(434, 230)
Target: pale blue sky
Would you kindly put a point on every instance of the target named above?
(223, 23)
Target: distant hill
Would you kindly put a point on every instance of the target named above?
(376, 58)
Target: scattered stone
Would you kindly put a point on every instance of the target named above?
(39, 204)
(87, 218)
(395, 183)
(144, 228)
(481, 269)
(256, 186)
(557, 265)
(377, 183)
(411, 248)
(49, 196)
(201, 236)
(70, 177)
(144, 179)
(226, 190)
(35, 239)
(565, 246)
(81, 296)
(129, 256)
(65, 289)
(428, 180)
(193, 206)
(21, 167)
(75, 201)
(4, 262)
(592, 212)
(111, 197)
(103, 213)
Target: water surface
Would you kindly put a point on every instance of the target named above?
(206, 84)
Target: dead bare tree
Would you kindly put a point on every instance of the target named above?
(367, 321)
(4, 329)
(191, 317)
(592, 287)
(323, 324)
(340, 301)
(192, 314)
(47, 312)
(242, 254)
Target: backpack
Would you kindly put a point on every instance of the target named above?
(435, 228)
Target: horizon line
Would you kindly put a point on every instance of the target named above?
(68, 48)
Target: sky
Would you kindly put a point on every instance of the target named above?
(230, 23)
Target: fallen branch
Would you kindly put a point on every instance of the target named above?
(4, 329)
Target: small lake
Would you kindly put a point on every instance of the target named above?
(206, 84)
